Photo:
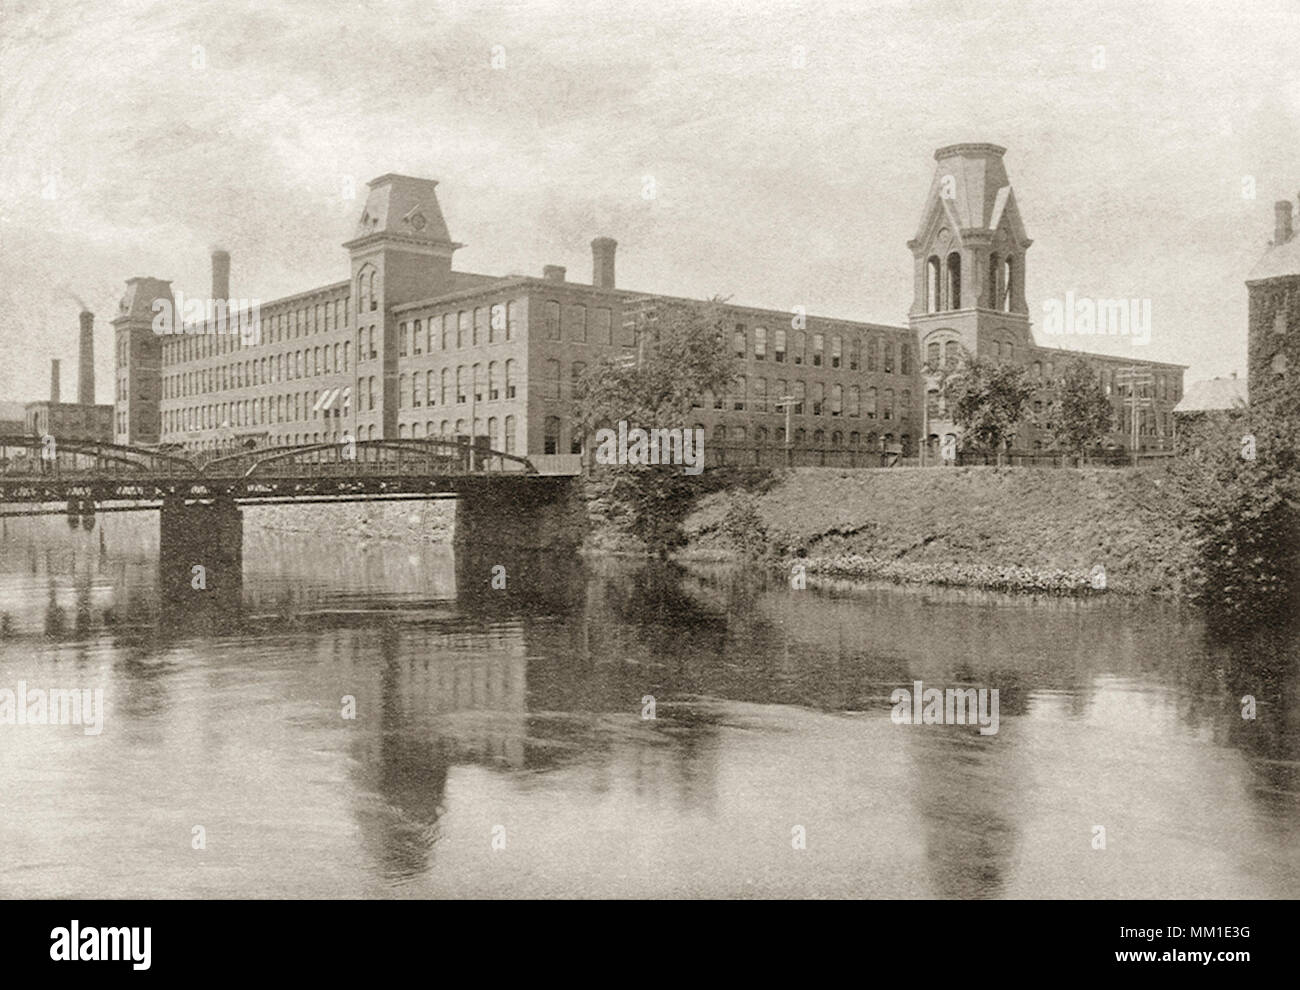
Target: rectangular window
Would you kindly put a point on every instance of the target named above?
(837, 351)
(401, 340)
(778, 347)
(760, 343)
(604, 327)
(819, 343)
(552, 320)
(575, 323)
(552, 379)
(760, 394)
(889, 357)
(738, 394)
(417, 337)
(818, 399)
(738, 341)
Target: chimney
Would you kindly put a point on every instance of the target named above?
(1281, 221)
(220, 274)
(54, 380)
(86, 360)
(553, 273)
(602, 262)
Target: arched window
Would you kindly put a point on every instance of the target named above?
(995, 269)
(954, 280)
(510, 378)
(429, 391)
(510, 435)
(493, 374)
(365, 283)
(1008, 273)
(460, 384)
(932, 283)
(443, 396)
(855, 402)
(932, 354)
(551, 435)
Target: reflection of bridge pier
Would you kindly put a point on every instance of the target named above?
(201, 555)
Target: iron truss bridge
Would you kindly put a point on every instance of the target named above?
(87, 473)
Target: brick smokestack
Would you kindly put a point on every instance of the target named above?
(54, 380)
(602, 262)
(1281, 221)
(220, 274)
(86, 360)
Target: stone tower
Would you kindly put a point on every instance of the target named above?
(401, 252)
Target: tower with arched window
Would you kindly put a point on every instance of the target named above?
(401, 252)
(969, 264)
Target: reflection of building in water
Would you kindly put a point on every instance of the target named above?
(445, 695)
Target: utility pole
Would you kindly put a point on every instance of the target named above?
(787, 401)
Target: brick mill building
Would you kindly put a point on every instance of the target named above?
(1274, 314)
(406, 346)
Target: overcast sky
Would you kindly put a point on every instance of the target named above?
(124, 150)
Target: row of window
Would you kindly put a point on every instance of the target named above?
(322, 317)
(570, 323)
(882, 353)
(326, 360)
(815, 400)
(466, 328)
(418, 389)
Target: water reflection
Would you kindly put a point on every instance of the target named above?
(519, 708)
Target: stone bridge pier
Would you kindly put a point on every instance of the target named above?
(523, 513)
(201, 555)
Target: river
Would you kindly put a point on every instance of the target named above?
(613, 728)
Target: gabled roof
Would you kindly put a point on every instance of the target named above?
(1213, 395)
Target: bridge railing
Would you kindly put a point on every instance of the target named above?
(71, 459)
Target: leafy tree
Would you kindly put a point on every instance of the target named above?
(986, 399)
(1239, 487)
(1084, 413)
(683, 352)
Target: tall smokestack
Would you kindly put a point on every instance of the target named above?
(86, 360)
(54, 380)
(602, 262)
(1281, 221)
(220, 274)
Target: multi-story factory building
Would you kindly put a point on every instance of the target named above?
(408, 347)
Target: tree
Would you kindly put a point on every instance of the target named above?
(986, 399)
(1239, 489)
(683, 352)
(1084, 415)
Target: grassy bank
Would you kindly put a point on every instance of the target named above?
(1013, 528)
